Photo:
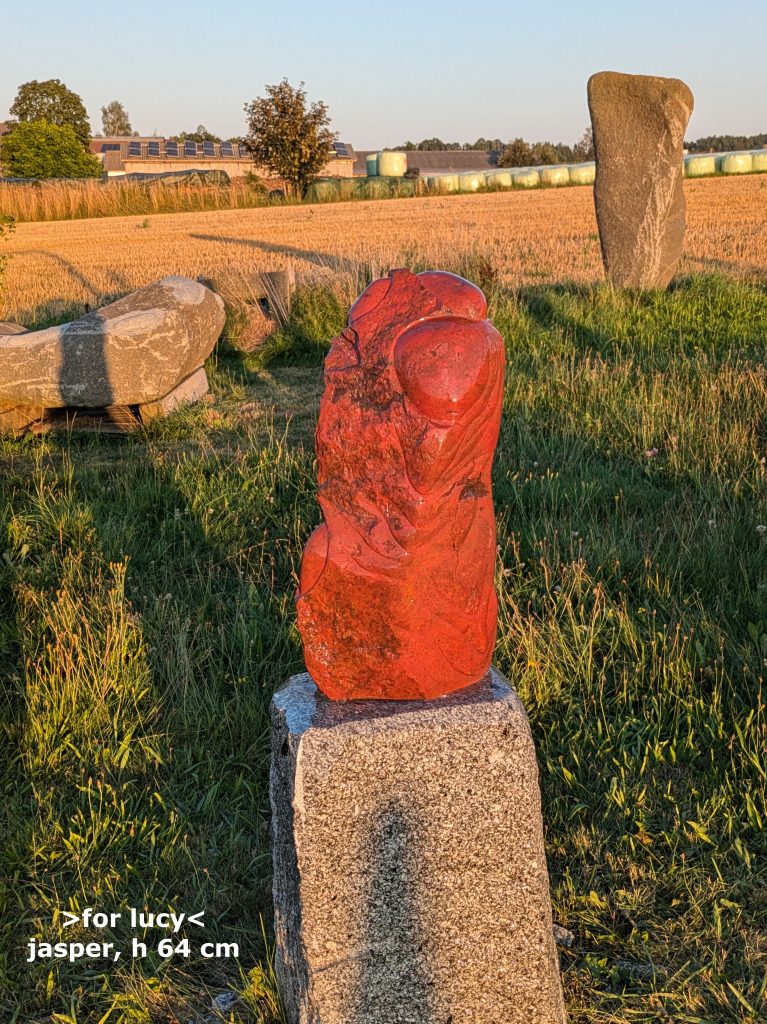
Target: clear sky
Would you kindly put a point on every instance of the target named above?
(389, 70)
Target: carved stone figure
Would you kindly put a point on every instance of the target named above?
(396, 596)
(639, 123)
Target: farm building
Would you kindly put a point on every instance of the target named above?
(438, 161)
(152, 155)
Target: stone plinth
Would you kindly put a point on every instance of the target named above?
(410, 882)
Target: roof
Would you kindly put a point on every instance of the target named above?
(438, 161)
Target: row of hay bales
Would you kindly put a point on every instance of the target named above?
(513, 177)
(746, 161)
(385, 176)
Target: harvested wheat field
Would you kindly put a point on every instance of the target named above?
(529, 238)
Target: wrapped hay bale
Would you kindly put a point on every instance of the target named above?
(556, 175)
(470, 181)
(699, 165)
(736, 163)
(759, 160)
(526, 179)
(371, 163)
(324, 190)
(498, 178)
(378, 188)
(392, 164)
(582, 174)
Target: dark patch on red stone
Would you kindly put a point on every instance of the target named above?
(396, 599)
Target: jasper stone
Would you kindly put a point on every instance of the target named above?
(131, 352)
(639, 123)
(396, 598)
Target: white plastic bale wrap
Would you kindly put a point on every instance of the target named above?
(558, 175)
(443, 182)
(392, 164)
(582, 174)
(526, 179)
(471, 181)
(498, 178)
(736, 163)
(699, 165)
(759, 160)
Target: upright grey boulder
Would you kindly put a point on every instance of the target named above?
(132, 352)
(639, 123)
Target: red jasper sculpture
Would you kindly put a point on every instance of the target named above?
(396, 598)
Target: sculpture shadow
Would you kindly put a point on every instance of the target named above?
(320, 259)
(86, 359)
(392, 974)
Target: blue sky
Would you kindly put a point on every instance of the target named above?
(390, 70)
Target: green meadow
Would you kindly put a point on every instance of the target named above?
(147, 590)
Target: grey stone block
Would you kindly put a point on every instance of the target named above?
(410, 880)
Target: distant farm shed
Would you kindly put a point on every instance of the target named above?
(437, 161)
(122, 155)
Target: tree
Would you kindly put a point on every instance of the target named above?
(37, 149)
(288, 137)
(201, 135)
(544, 153)
(115, 120)
(516, 154)
(584, 148)
(52, 102)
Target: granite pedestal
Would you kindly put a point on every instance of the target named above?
(410, 881)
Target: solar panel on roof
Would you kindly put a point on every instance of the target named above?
(153, 149)
(190, 149)
(243, 151)
(171, 149)
(227, 149)
(209, 149)
(340, 149)
(134, 149)
(110, 147)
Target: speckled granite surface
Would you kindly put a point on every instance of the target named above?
(410, 882)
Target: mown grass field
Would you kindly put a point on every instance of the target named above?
(147, 587)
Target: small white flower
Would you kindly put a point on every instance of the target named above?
(761, 528)
(712, 522)
(651, 453)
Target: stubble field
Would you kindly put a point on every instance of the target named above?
(528, 238)
(146, 604)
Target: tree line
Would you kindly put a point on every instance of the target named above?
(726, 143)
(518, 152)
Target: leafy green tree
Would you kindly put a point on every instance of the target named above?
(545, 153)
(200, 135)
(115, 120)
(516, 153)
(584, 148)
(52, 102)
(287, 136)
(37, 149)
(485, 145)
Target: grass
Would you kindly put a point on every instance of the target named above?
(55, 200)
(147, 616)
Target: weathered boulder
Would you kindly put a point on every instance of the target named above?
(639, 123)
(131, 352)
(6, 327)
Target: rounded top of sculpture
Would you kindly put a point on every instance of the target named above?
(454, 295)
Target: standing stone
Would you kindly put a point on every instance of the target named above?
(639, 123)
(410, 880)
